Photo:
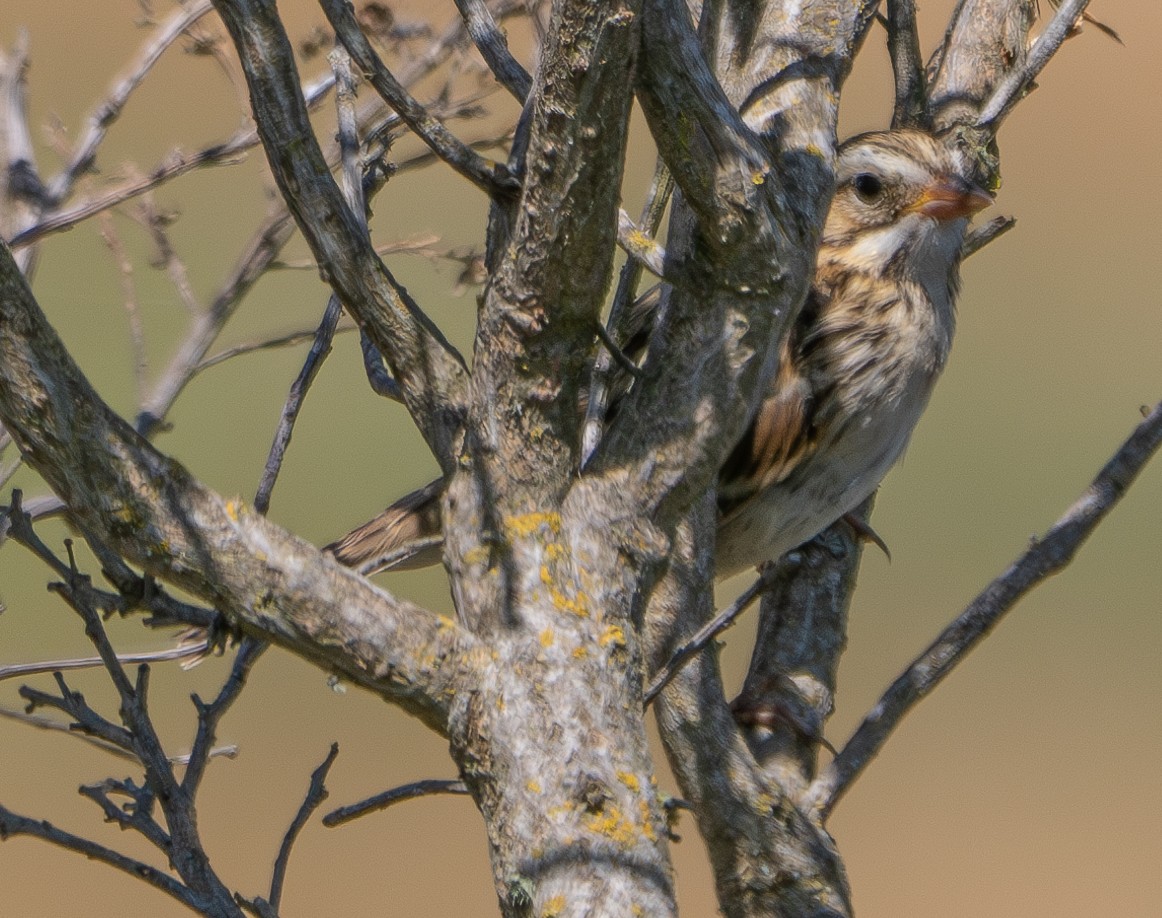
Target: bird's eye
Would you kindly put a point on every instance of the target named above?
(867, 186)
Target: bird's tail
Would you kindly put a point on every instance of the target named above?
(405, 536)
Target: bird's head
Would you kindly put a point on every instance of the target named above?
(902, 203)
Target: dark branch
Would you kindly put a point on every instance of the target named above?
(1043, 558)
(391, 797)
(493, 47)
(209, 715)
(493, 178)
(12, 824)
(316, 794)
(320, 348)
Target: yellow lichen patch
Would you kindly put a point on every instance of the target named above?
(647, 822)
(612, 823)
(580, 653)
(554, 907)
(629, 779)
(525, 524)
(477, 555)
(234, 508)
(636, 910)
(612, 635)
(757, 178)
(555, 551)
(547, 637)
(578, 606)
(640, 240)
(763, 804)
(533, 787)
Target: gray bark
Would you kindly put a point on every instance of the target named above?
(570, 589)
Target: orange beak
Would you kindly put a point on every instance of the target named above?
(950, 197)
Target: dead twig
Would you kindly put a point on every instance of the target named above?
(1044, 557)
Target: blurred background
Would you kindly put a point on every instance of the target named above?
(1027, 785)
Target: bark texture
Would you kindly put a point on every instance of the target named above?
(570, 589)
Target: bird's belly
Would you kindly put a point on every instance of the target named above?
(835, 481)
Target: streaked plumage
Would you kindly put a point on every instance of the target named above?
(855, 372)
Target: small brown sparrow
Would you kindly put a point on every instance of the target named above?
(854, 374)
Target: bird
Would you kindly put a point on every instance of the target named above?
(855, 372)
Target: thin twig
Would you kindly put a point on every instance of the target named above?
(116, 247)
(109, 109)
(1043, 558)
(702, 638)
(1013, 87)
(209, 715)
(391, 797)
(492, 177)
(980, 236)
(56, 726)
(86, 720)
(316, 794)
(133, 591)
(24, 670)
(321, 347)
(155, 223)
(175, 164)
(289, 339)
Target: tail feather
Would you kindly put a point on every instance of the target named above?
(405, 536)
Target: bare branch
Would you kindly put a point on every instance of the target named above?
(134, 592)
(12, 824)
(209, 715)
(129, 296)
(174, 165)
(320, 348)
(391, 797)
(316, 794)
(109, 109)
(701, 639)
(149, 509)
(1018, 82)
(493, 47)
(1044, 557)
(908, 66)
(84, 717)
(23, 670)
(433, 376)
(491, 177)
(289, 339)
(980, 236)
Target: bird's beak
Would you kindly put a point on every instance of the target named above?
(950, 197)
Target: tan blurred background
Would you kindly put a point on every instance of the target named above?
(1028, 785)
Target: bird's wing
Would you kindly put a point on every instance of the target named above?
(784, 432)
(404, 536)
